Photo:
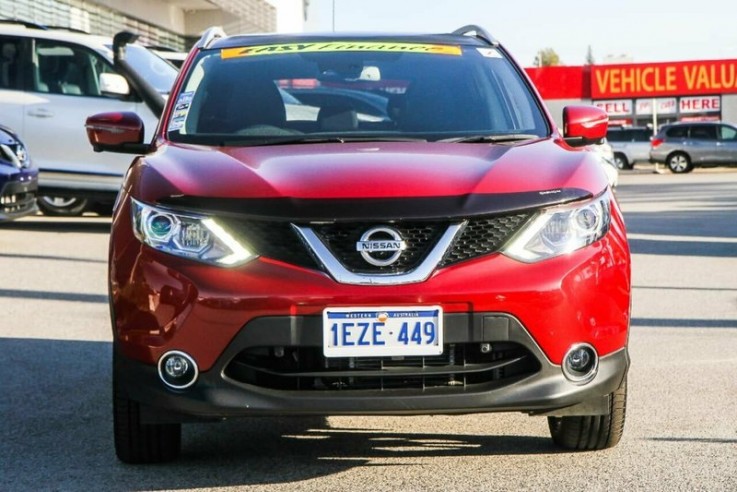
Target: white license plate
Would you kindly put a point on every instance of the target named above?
(382, 332)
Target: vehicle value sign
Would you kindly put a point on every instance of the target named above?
(382, 332)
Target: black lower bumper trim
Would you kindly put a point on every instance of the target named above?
(215, 395)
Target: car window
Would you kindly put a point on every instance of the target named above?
(641, 135)
(702, 132)
(454, 92)
(677, 132)
(157, 71)
(66, 69)
(10, 72)
(727, 132)
(616, 135)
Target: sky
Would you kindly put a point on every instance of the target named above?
(643, 30)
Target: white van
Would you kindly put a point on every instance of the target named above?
(51, 80)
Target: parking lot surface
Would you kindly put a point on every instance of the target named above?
(681, 431)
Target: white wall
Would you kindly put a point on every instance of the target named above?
(729, 108)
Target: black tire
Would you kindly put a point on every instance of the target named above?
(141, 443)
(55, 206)
(679, 163)
(621, 161)
(592, 432)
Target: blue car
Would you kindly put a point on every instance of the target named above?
(18, 178)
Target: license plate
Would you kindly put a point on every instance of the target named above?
(384, 331)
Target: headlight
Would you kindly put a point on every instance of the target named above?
(190, 236)
(15, 155)
(560, 230)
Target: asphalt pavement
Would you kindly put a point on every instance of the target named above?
(681, 431)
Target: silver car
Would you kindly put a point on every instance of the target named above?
(683, 146)
(630, 145)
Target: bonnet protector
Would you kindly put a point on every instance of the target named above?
(348, 209)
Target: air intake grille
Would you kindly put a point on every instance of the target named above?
(306, 369)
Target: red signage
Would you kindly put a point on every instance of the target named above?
(664, 79)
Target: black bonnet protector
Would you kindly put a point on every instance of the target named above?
(367, 209)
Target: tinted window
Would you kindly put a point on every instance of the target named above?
(641, 135)
(616, 135)
(677, 132)
(629, 135)
(728, 133)
(157, 72)
(700, 132)
(10, 71)
(67, 69)
(463, 91)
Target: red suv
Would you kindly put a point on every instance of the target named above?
(374, 224)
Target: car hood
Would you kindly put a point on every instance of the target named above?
(289, 179)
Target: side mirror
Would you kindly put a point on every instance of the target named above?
(116, 132)
(113, 84)
(584, 125)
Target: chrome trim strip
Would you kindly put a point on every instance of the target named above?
(344, 276)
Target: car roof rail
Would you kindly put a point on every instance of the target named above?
(479, 32)
(209, 36)
(21, 22)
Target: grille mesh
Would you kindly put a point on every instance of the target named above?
(342, 239)
(305, 369)
(278, 240)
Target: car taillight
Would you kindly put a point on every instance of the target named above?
(655, 142)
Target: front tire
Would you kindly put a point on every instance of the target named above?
(141, 443)
(592, 432)
(679, 163)
(621, 161)
(56, 206)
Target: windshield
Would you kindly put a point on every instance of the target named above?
(272, 94)
(158, 72)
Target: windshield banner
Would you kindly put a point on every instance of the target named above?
(332, 46)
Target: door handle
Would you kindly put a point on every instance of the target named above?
(40, 113)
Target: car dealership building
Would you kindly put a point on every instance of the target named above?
(644, 93)
(176, 24)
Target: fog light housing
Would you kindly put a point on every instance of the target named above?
(580, 363)
(178, 370)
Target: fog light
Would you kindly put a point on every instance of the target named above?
(580, 363)
(178, 370)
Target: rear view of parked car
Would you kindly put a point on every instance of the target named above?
(630, 145)
(18, 179)
(684, 146)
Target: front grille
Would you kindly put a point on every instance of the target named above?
(482, 236)
(13, 203)
(461, 366)
(278, 240)
(342, 238)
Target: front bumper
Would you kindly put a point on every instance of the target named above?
(18, 196)
(538, 386)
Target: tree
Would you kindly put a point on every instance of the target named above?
(590, 57)
(546, 57)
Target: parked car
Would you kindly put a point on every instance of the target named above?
(684, 146)
(630, 145)
(606, 157)
(460, 256)
(51, 80)
(171, 55)
(18, 178)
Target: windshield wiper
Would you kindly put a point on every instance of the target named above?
(499, 138)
